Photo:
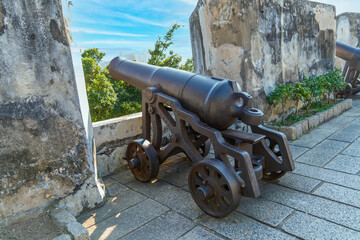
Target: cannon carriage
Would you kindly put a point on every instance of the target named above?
(351, 69)
(198, 111)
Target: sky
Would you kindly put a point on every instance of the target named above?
(130, 27)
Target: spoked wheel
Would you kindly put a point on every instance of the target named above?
(272, 176)
(142, 160)
(214, 187)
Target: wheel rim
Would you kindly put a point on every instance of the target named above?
(214, 187)
(142, 160)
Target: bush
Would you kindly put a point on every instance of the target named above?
(311, 91)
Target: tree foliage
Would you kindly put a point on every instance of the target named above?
(109, 98)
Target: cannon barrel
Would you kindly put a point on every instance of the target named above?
(347, 52)
(215, 100)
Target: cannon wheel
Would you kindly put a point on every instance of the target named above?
(214, 187)
(272, 176)
(142, 160)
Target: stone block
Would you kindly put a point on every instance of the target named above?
(339, 194)
(337, 110)
(117, 128)
(78, 231)
(322, 117)
(298, 182)
(299, 129)
(322, 153)
(62, 217)
(317, 206)
(199, 233)
(264, 210)
(175, 198)
(174, 224)
(112, 207)
(127, 221)
(330, 113)
(297, 151)
(344, 163)
(349, 133)
(313, 121)
(328, 175)
(112, 187)
(306, 226)
(62, 237)
(313, 138)
(290, 132)
(353, 149)
(238, 226)
(305, 126)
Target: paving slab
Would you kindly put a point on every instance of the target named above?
(175, 198)
(113, 187)
(322, 153)
(199, 233)
(339, 194)
(123, 177)
(353, 149)
(125, 222)
(174, 224)
(112, 207)
(313, 138)
(298, 151)
(298, 182)
(345, 163)
(264, 210)
(238, 226)
(336, 123)
(323, 208)
(328, 175)
(309, 227)
(348, 134)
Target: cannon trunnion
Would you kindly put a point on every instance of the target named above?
(198, 111)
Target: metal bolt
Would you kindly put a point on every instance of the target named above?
(204, 192)
(134, 163)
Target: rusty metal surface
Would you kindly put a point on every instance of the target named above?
(351, 69)
(216, 184)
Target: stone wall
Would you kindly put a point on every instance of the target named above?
(348, 32)
(46, 149)
(262, 43)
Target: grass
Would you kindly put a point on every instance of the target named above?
(314, 108)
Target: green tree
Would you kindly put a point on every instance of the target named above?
(160, 56)
(100, 92)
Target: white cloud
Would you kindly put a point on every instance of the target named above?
(191, 2)
(142, 20)
(93, 31)
(115, 42)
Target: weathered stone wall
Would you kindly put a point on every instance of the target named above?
(348, 32)
(262, 43)
(45, 142)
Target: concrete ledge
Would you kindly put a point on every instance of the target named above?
(298, 129)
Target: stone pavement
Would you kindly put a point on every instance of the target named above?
(319, 200)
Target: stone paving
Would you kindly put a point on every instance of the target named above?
(319, 200)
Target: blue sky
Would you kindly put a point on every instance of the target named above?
(123, 27)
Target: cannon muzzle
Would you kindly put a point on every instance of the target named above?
(347, 52)
(217, 101)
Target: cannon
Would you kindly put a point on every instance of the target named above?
(198, 110)
(351, 69)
